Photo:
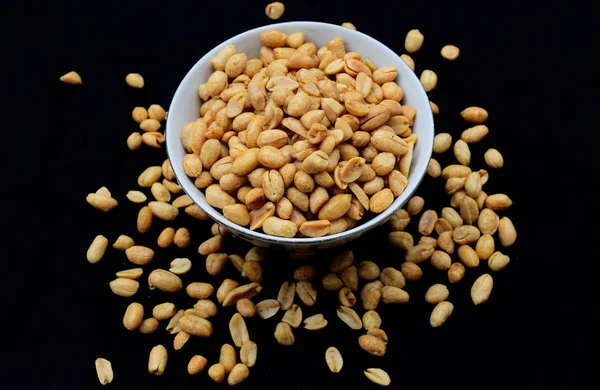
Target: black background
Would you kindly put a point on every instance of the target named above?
(67, 141)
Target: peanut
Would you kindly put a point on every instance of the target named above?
(450, 52)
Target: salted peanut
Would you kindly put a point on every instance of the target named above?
(149, 326)
(306, 292)
(371, 320)
(468, 256)
(506, 232)
(474, 115)
(442, 225)
(485, 247)
(411, 271)
(239, 373)
(350, 277)
(454, 184)
(442, 142)
(311, 118)
(226, 287)
(400, 124)
(158, 360)
(453, 217)
(295, 40)
(392, 91)
(165, 281)
(284, 334)
(204, 308)
(481, 289)
(155, 111)
(253, 270)
(139, 114)
(196, 365)
(246, 291)
(349, 317)
(165, 238)
(391, 294)
(203, 181)
(164, 311)
(474, 134)
(497, 261)
(335, 207)
(384, 75)
(293, 316)
(139, 255)
(364, 84)
(133, 273)
(381, 200)
(182, 238)
(134, 80)
(332, 282)
(303, 182)
(409, 61)
(397, 182)
(153, 139)
(163, 210)
(488, 221)
(279, 227)
(175, 188)
(383, 163)
(473, 185)
(440, 314)
(436, 294)
(72, 78)
(97, 249)
(215, 263)
(261, 214)
(228, 357)
(427, 222)
(372, 344)
(267, 308)
(173, 325)
(245, 162)
(465, 234)
(441, 260)
(150, 125)
(124, 287)
(428, 80)
(450, 52)
(209, 153)
(134, 141)
(469, 211)
(370, 295)
(446, 242)
(462, 152)
(180, 339)
(368, 270)
(385, 141)
(336, 46)
(271, 157)
(237, 213)
(413, 41)
(399, 220)
(456, 272)
(342, 262)
(216, 372)
(255, 177)
(149, 176)
(392, 277)
(144, 219)
(498, 202)
(200, 290)
(346, 297)
(217, 197)
(196, 212)
(196, 326)
(134, 315)
(377, 116)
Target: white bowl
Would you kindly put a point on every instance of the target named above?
(186, 104)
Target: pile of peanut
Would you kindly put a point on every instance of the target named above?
(466, 228)
(299, 142)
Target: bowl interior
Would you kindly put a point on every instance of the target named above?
(186, 103)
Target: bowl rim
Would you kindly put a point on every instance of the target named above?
(242, 231)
